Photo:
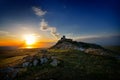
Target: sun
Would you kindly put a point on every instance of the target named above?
(30, 39)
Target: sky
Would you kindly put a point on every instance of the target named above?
(96, 21)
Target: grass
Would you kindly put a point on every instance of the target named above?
(10, 57)
(75, 65)
(10, 61)
(113, 48)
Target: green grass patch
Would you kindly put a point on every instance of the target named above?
(75, 65)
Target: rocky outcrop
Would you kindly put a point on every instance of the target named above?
(89, 48)
(65, 43)
(55, 61)
(43, 60)
(95, 51)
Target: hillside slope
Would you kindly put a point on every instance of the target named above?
(74, 65)
(67, 59)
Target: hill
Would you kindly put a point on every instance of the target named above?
(89, 48)
(65, 43)
(67, 59)
(73, 65)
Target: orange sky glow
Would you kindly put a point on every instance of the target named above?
(42, 43)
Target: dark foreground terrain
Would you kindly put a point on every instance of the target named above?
(113, 48)
(71, 65)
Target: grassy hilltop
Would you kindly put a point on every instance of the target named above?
(75, 65)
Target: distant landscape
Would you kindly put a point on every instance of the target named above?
(59, 40)
(60, 62)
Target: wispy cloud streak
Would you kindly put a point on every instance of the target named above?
(45, 27)
(39, 11)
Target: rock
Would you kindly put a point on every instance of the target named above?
(95, 51)
(25, 64)
(43, 60)
(35, 62)
(14, 73)
(81, 49)
(9, 73)
(30, 64)
(55, 62)
(9, 69)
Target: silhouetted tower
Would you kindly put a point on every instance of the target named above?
(63, 38)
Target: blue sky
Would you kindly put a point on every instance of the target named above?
(73, 18)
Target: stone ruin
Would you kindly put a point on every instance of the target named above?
(65, 39)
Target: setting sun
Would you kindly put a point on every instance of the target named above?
(30, 39)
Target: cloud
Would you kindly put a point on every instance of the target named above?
(6, 34)
(87, 37)
(45, 27)
(102, 40)
(3, 32)
(39, 11)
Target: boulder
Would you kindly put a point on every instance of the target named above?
(9, 73)
(95, 51)
(81, 49)
(55, 62)
(25, 64)
(14, 73)
(43, 60)
(30, 64)
(35, 62)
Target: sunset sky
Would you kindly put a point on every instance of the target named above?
(96, 21)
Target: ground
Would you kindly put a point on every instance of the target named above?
(74, 65)
(113, 48)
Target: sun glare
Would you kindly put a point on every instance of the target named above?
(30, 39)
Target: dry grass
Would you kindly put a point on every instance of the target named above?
(11, 61)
